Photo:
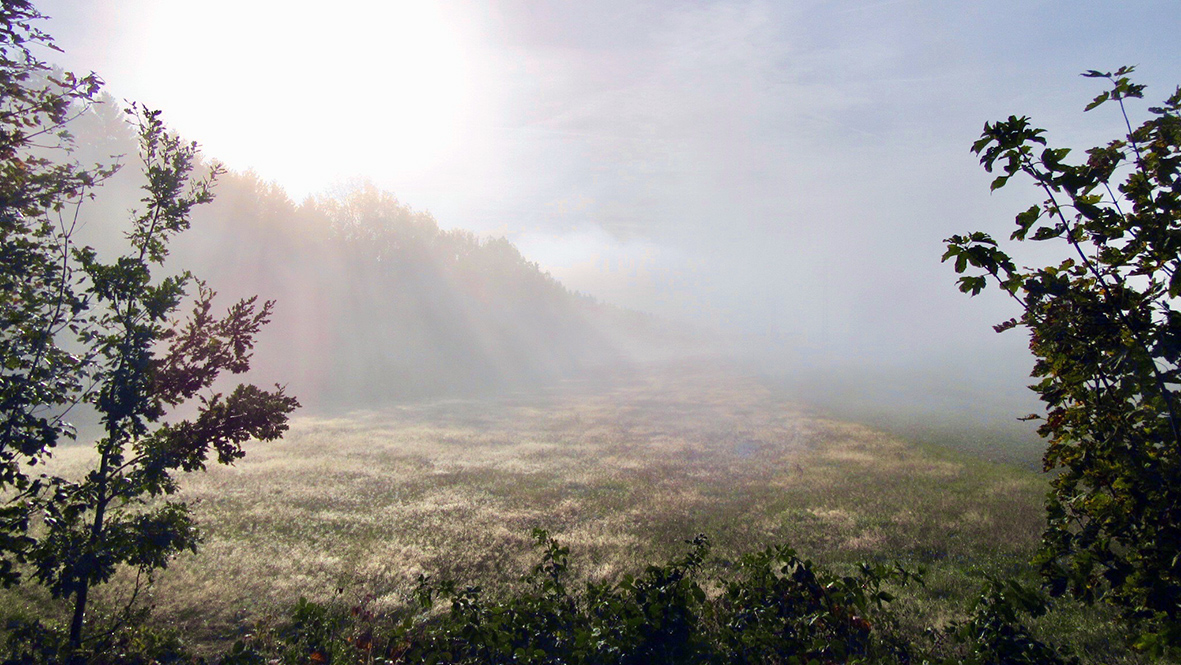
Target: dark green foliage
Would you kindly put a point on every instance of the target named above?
(994, 633)
(130, 639)
(40, 378)
(772, 607)
(769, 607)
(1107, 341)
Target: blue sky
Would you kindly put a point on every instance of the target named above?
(787, 169)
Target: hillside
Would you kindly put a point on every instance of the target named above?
(374, 301)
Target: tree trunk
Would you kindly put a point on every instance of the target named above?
(76, 622)
(96, 529)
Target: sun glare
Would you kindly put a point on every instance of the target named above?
(304, 94)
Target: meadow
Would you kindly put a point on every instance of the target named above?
(622, 470)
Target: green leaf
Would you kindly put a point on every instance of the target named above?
(1103, 97)
(1046, 233)
(1025, 220)
(973, 285)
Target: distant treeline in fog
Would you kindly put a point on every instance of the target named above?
(374, 301)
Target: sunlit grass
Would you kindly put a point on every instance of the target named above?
(621, 473)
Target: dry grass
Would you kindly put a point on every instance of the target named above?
(621, 472)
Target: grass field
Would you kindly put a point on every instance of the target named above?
(621, 471)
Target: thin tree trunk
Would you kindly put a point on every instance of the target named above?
(95, 531)
(79, 615)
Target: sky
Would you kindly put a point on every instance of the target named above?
(787, 170)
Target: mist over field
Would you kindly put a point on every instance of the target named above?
(775, 177)
(477, 199)
(378, 305)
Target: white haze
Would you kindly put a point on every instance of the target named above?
(781, 171)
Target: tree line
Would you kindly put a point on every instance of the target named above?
(376, 302)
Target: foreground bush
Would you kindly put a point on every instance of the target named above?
(771, 607)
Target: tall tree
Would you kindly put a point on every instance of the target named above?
(80, 329)
(1106, 333)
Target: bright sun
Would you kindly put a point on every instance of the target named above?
(305, 94)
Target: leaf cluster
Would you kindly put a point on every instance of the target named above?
(994, 632)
